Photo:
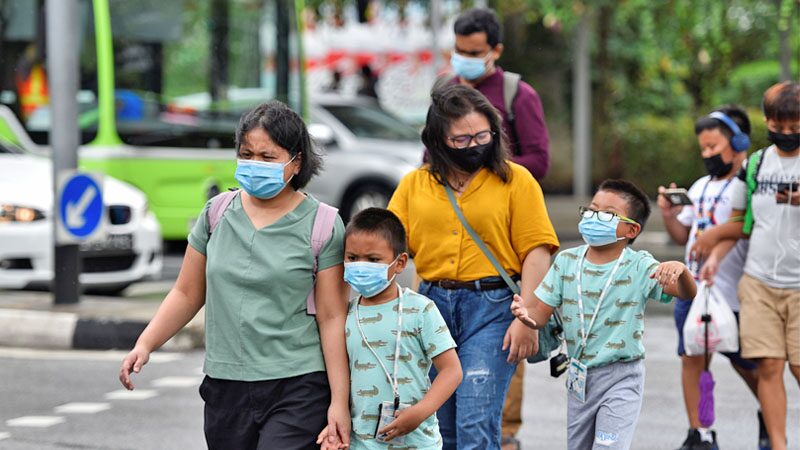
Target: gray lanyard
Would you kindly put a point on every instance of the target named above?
(585, 332)
(392, 379)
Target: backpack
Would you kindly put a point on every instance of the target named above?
(510, 90)
(320, 232)
(753, 165)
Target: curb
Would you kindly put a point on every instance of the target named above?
(63, 331)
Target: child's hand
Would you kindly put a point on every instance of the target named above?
(327, 442)
(133, 362)
(406, 421)
(709, 270)
(521, 312)
(667, 208)
(667, 273)
(703, 245)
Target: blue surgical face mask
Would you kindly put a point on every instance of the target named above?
(597, 233)
(367, 278)
(261, 179)
(468, 68)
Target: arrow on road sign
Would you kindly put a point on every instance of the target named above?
(75, 211)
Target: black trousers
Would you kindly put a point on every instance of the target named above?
(285, 414)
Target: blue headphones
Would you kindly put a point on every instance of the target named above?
(740, 141)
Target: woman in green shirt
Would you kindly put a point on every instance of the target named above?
(266, 384)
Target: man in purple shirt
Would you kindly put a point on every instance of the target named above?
(474, 62)
(474, 59)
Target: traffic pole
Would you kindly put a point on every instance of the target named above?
(62, 70)
(582, 110)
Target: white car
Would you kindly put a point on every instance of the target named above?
(367, 152)
(367, 149)
(127, 250)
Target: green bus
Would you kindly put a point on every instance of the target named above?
(162, 87)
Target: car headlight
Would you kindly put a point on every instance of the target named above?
(15, 213)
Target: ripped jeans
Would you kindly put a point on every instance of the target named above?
(478, 321)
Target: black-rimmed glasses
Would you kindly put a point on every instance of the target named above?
(462, 141)
(603, 216)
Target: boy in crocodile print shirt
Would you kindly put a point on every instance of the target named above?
(387, 327)
(601, 290)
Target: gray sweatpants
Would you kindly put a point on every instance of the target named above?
(608, 418)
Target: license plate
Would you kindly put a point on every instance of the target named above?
(111, 242)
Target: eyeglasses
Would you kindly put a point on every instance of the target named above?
(603, 216)
(462, 141)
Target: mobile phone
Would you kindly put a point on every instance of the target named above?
(794, 187)
(786, 188)
(677, 196)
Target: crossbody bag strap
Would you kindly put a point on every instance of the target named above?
(511, 284)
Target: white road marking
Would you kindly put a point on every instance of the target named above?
(4, 436)
(82, 355)
(177, 382)
(35, 421)
(82, 408)
(76, 210)
(199, 371)
(138, 394)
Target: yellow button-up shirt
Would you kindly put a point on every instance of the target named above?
(511, 218)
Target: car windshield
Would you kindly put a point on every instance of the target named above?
(372, 122)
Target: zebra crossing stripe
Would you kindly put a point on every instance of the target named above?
(138, 394)
(35, 421)
(82, 408)
(177, 382)
(4, 436)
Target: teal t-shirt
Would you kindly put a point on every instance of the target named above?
(257, 282)
(424, 336)
(617, 332)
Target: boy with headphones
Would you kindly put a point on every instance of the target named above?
(723, 137)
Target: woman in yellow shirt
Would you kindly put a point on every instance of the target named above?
(503, 203)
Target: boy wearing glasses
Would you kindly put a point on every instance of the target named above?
(602, 289)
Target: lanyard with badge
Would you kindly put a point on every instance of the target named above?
(576, 374)
(386, 410)
(704, 220)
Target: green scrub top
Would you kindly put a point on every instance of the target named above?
(257, 282)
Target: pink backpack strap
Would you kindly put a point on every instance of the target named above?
(217, 209)
(320, 234)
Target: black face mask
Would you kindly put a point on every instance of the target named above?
(472, 158)
(785, 142)
(716, 167)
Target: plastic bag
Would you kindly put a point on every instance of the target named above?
(723, 331)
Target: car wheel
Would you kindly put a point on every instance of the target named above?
(365, 196)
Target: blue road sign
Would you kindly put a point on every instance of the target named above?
(80, 206)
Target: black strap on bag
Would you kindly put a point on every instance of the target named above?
(550, 334)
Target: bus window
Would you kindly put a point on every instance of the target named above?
(23, 67)
(185, 71)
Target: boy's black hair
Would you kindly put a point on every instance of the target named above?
(736, 114)
(381, 222)
(638, 203)
(479, 20)
(781, 102)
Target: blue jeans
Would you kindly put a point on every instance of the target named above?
(478, 321)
